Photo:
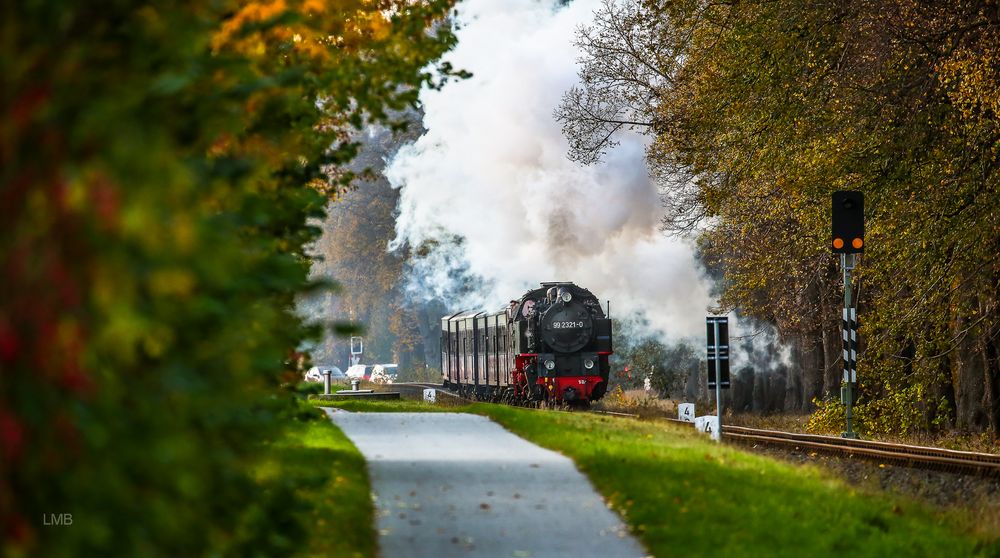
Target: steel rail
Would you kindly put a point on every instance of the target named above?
(915, 456)
(872, 445)
(891, 455)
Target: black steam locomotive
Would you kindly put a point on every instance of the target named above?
(551, 345)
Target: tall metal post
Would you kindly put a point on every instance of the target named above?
(718, 382)
(847, 263)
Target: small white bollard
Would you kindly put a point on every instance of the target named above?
(354, 384)
(709, 425)
(430, 395)
(685, 412)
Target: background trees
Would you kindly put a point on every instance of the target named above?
(768, 108)
(158, 165)
(353, 250)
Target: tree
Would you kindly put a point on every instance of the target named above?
(773, 105)
(631, 55)
(158, 166)
(668, 367)
(354, 250)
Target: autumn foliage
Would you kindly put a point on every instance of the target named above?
(757, 111)
(158, 165)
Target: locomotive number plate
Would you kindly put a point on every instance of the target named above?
(566, 325)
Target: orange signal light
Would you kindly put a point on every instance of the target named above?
(857, 243)
(838, 243)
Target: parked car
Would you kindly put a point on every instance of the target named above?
(376, 373)
(315, 374)
(361, 371)
(384, 373)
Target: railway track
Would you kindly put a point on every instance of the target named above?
(940, 459)
(899, 454)
(884, 452)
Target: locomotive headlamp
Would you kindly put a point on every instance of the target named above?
(566, 296)
(550, 364)
(588, 364)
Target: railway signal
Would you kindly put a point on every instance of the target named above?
(717, 329)
(848, 222)
(847, 212)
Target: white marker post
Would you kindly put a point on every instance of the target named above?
(709, 425)
(685, 412)
(430, 395)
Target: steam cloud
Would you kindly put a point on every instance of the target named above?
(489, 194)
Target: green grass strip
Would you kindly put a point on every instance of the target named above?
(333, 493)
(684, 495)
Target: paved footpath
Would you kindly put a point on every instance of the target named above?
(455, 484)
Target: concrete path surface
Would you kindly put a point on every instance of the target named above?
(455, 484)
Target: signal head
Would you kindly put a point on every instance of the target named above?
(848, 222)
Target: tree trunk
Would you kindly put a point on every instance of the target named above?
(812, 371)
(793, 387)
(775, 390)
(430, 337)
(759, 399)
(968, 372)
(991, 388)
(691, 383)
(833, 361)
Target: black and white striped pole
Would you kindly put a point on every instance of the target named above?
(850, 335)
(848, 225)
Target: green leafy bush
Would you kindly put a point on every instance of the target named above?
(159, 163)
(304, 389)
(830, 416)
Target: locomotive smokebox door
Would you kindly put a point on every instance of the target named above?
(567, 327)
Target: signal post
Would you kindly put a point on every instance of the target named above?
(848, 228)
(717, 332)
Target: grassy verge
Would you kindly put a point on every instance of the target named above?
(331, 490)
(678, 490)
(683, 494)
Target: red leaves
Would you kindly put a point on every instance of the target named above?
(9, 342)
(27, 104)
(11, 436)
(106, 201)
(16, 529)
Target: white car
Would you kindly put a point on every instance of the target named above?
(384, 373)
(360, 371)
(316, 374)
(375, 373)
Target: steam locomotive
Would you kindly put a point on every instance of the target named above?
(551, 345)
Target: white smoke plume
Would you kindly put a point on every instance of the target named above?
(488, 192)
